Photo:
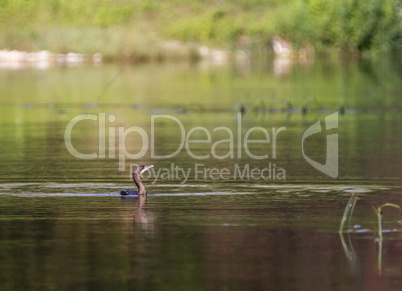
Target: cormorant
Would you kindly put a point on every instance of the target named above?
(137, 180)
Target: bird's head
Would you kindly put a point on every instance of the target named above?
(141, 169)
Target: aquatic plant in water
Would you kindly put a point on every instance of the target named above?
(379, 216)
(347, 215)
(348, 247)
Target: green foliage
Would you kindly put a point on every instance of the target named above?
(294, 22)
(346, 24)
(213, 27)
(370, 25)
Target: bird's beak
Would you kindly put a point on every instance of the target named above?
(146, 168)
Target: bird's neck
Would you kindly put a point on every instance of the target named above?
(138, 182)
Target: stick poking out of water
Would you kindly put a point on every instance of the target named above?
(347, 215)
(379, 216)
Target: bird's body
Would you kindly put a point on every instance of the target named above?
(137, 180)
(129, 192)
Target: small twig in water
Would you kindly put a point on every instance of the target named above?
(379, 216)
(347, 215)
(378, 211)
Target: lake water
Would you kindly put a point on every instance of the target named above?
(223, 212)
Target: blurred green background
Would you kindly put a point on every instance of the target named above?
(123, 28)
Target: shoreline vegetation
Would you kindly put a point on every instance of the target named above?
(97, 31)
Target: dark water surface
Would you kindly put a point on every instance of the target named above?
(230, 221)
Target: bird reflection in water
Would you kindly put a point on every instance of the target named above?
(143, 218)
